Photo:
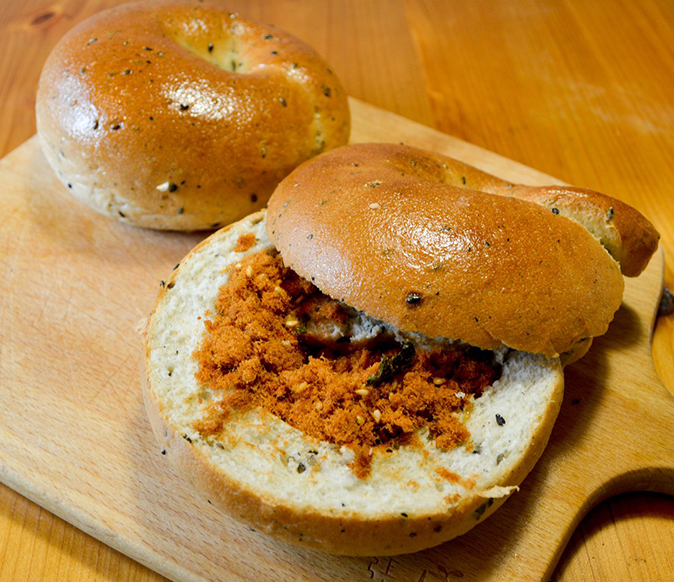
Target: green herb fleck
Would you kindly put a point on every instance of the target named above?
(479, 512)
(389, 367)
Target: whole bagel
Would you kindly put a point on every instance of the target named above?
(181, 115)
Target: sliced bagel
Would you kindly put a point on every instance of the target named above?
(270, 378)
(283, 482)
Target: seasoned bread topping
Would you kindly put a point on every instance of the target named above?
(278, 343)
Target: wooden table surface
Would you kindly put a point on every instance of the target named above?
(580, 89)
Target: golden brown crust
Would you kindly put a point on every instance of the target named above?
(168, 125)
(628, 236)
(440, 259)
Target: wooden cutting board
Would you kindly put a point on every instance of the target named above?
(74, 437)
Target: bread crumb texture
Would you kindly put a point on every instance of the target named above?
(273, 460)
(262, 349)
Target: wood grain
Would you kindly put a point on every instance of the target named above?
(75, 439)
(580, 90)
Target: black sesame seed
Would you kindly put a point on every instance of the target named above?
(268, 36)
(413, 298)
(184, 107)
(163, 451)
(404, 515)
(301, 468)
(210, 47)
(172, 187)
(180, 210)
(555, 210)
(273, 53)
(500, 420)
(283, 102)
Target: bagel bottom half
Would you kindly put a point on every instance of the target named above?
(414, 497)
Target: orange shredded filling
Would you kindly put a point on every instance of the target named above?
(257, 353)
(245, 242)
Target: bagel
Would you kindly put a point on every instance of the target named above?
(270, 381)
(424, 229)
(179, 115)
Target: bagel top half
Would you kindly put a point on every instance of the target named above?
(176, 114)
(405, 236)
